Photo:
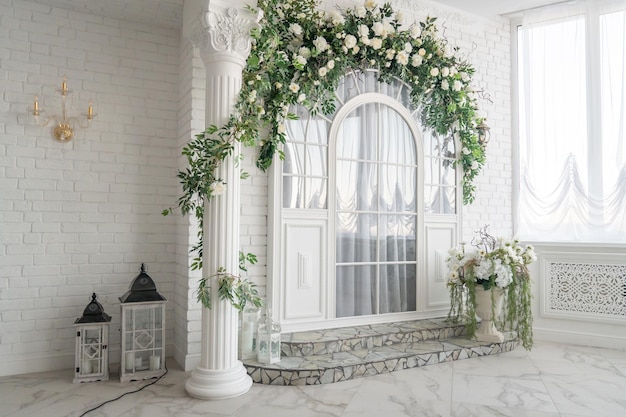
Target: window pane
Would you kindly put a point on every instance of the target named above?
(356, 237)
(397, 238)
(397, 288)
(356, 290)
(293, 192)
(356, 185)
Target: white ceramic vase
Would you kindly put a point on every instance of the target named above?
(486, 331)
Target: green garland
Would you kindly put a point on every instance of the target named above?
(299, 56)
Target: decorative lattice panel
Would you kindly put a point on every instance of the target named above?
(593, 289)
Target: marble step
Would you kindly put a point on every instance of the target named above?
(321, 342)
(344, 357)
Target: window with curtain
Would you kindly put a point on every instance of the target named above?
(374, 199)
(572, 115)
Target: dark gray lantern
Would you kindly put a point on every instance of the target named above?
(92, 339)
(142, 289)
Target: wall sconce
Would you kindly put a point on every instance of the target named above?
(63, 129)
(483, 133)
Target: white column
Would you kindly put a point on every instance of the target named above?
(223, 38)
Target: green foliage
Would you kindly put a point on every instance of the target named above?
(299, 55)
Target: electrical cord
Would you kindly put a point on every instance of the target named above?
(127, 393)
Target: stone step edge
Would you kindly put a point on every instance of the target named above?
(455, 349)
(305, 348)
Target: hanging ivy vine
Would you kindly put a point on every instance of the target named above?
(299, 55)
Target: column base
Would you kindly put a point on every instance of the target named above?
(211, 384)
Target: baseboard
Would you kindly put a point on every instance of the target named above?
(36, 364)
(579, 338)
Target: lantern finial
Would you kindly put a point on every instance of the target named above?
(143, 268)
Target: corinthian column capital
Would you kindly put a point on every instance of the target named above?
(223, 33)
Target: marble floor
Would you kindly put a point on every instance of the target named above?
(552, 380)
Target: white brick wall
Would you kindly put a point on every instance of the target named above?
(80, 217)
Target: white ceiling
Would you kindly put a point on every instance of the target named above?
(168, 13)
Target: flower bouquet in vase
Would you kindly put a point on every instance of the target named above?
(490, 288)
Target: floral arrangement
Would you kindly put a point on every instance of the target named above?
(492, 263)
(298, 57)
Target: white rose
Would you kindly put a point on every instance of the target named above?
(408, 47)
(377, 43)
(457, 85)
(322, 71)
(415, 31)
(336, 18)
(399, 17)
(300, 60)
(378, 28)
(422, 52)
(434, 72)
(370, 4)
(360, 11)
(474, 165)
(445, 71)
(331, 64)
(305, 52)
(320, 44)
(278, 85)
(465, 76)
(364, 31)
(349, 41)
(296, 29)
(217, 188)
(390, 53)
(365, 40)
(417, 60)
(294, 88)
(445, 85)
(466, 151)
(281, 128)
(388, 29)
(301, 97)
(402, 58)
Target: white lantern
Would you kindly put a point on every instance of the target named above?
(268, 339)
(143, 330)
(92, 339)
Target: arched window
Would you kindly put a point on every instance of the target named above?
(355, 187)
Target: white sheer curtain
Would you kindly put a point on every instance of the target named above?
(572, 95)
(375, 213)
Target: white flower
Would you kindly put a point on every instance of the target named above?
(300, 60)
(474, 165)
(434, 72)
(416, 61)
(387, 29)
(252, 96)
(365, 40)
(408, 47)
(390, 53)
(281, 128)
(457, 85)
(330, 64)
(402, 58)
(349, 41)
(296, 29)
(370, 4)
(316, 82)
(360, 11)
(305, 52)
(465, 77)
(322, 71)
(301, 97)
(378, 28)
(415, 31)
(294, 88)
(364, 31)
(377, 43)
(217, 187)
(320, 43)
(445, 71)
(444, 85)
(356, 50)
(399, 17)
(422, 52)
(335, 18)
(301, 16)
(466, 151)
(278, 85)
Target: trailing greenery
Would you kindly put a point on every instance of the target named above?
(492, 264)
(298, 57)
(240, 292)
